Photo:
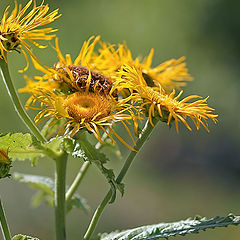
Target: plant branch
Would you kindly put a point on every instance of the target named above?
(4, 225)
(77, 180)
(140, 142)
(81, 174)
(16, 101)
(60, 189)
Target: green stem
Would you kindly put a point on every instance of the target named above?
(141, 140)
(77, 180)
(4, 225)
(16, 102)
(81, 174)
(60, 189)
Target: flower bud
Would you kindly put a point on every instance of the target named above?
(5, 164)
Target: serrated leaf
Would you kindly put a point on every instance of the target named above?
(166, 230)
(21, 146)
(46, 188)
(45, 185)
(80, 153)
(58, 145)
(54, 145)
(77, 202)
(23, 237)
(109, 174)
(68, 145)
(113, 147)
(90, 153)
(25, 146)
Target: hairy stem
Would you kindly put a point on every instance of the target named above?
(16, 101)
(60, 189)
(141, 140)
(77, 180)
(4, 225)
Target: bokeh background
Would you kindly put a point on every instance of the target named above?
(175, 176)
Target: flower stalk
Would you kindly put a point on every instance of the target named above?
(77, 180)
(16, 101)
(60, 189)
(81, 174)
(140, 142)
(4, 225)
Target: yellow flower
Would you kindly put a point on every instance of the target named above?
(111, 59)
(88, 110)
(33, 87)
(20, 26)
(170, 74)
(76, 92)
(155, 101)
(65, 77)
(68, 76)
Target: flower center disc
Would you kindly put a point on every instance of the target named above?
(99, 83)
(86, 107)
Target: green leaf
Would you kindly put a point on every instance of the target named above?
(51, 128)
(23, 237)
(58, 145)
(25, 146)
(87, 151)
(46, 189)
(45, 185)
(54, 146)
(21, 146)
(77, 202)
(90, 153)
(41, 196)
(112, 147)
(109, 174)
(165, 230)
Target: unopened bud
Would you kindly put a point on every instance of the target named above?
(5, 164)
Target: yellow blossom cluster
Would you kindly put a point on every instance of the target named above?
(101, 86)
(77, 92)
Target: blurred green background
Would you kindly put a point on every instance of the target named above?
(175, 176)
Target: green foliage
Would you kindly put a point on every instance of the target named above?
(51, 128)
(110, 176)
(111, 147)
(89, 153)
(4, 169)
(57, 146)
(77, 202)
(25, 146)
(23, 237)
(44, 185)
(46, 190)
(21, 146)
(165, 230)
